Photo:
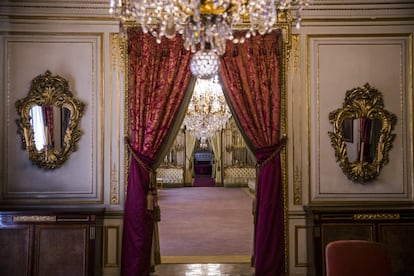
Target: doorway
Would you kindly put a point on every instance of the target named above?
(205, 225)
(208, 223)
(272, 106)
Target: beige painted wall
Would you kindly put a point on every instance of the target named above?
(338, 47)
(336, 50)
(27, 56)
(342, 62)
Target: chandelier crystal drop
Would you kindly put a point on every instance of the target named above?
(205, 64)
(207, 111)
(204, 24)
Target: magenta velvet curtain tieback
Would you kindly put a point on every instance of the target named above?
(146, 163)
(265, 155)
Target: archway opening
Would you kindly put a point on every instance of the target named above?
(207, 211)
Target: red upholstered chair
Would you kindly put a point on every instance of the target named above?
(357, 258)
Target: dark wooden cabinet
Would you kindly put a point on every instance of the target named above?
(46, 242)
(392, 225)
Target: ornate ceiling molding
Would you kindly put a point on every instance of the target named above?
(351, 10)
(319, 10)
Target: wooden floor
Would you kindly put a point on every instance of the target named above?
(196, 223)
(205, 223)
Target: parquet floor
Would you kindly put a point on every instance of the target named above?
(205, 232)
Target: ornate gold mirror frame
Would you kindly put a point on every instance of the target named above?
(49, 121)
(361, 135)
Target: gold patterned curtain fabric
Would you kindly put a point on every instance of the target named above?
(159, 75)
(250, 73)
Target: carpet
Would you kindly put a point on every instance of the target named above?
(204, 223)
(203, 169)
(204, 181)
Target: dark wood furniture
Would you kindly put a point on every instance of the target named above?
(392, 225)
(50, 241)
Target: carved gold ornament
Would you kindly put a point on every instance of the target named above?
(49, 121)
(361, 135)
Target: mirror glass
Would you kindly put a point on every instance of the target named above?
(49, 125)
(361, 137)
(362, 133)
(49, 120)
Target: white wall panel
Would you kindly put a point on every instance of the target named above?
(112, 240)
(298, 262)
(340, 63)
(77, 58)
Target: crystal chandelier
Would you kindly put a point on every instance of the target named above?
(207, 111)
(206, 25)
(204, 64)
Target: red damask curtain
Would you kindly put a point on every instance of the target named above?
(250, 73)
(158, 77)
(48, 115)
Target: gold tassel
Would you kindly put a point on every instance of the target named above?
(150, 201)
(157, 213)
(150, 193)
(157, 210)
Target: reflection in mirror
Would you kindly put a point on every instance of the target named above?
(361, 135)
(49, 120)
(49, 125)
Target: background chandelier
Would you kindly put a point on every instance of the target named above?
(204, 24)
(207, 111)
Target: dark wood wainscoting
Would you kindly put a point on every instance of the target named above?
(50, 242)
(392, 225)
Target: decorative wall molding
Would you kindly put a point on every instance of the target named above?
(297, 187)
(338, 63)
(114, 189)
(295, 115)
(118, 56)
(379, 216)
(298, 261)
(57, 9)
(34, 218)
(25, 54)
(116, 88)
(112, 247)
(300, 240)
(361, 10)
(319, 9)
